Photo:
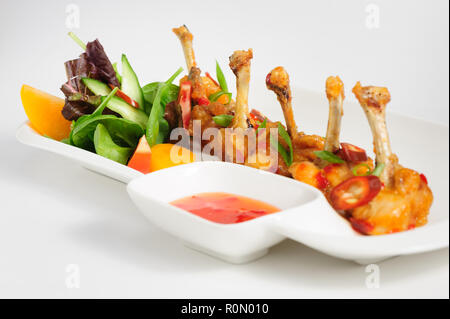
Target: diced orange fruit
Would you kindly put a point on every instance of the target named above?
(168, 155)
(44, 112)
(142, 156)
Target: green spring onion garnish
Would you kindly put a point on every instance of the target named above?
(329, 157)
(215, 96)
(223, 120)
(77, 40)
(378, 170)
(355, 169)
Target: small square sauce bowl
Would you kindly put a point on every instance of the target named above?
(299, 204)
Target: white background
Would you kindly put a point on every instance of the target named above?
(54, 213)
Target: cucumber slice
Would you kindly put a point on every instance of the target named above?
(116, 104)
(130, 83)
(97, 87)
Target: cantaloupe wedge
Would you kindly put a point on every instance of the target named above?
(168, 155)
(44, 112)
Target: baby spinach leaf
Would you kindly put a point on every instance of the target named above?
(123, 131)
(151, 89)
(105, 146)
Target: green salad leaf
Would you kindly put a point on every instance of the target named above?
(124, 132)
(105, 146)
(116, 104)
(150, 90)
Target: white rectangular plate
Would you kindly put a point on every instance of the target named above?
(421, 145)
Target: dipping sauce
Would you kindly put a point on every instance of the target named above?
(224, 208)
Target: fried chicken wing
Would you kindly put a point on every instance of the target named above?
(373, 100)
(240, 65)
(335, 95)
(378, 197)
(278, 81)
(186, 38)
(304, 145)
(405, 199)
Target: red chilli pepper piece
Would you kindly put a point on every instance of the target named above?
(258, 116)
(354, 192)
(203, 101)
(268, 78)
(184, 100)
(254, 120)
(352, 153)
(125, 97)
(212, 79)
(424, 178)
(361, 226)
(322, 181)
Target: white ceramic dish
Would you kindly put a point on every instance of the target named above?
(91, 161)
(421, 145)
(241, 242)
(306, 216)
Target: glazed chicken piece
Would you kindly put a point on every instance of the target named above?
(240, 65)
(202, 86)
(353, 155)
(242, 143)
(278, 82)
(236, 141)
(199, 89)
(303, 145)
(315, 171)
(405, 198)
(335, 95)
(203, 109)
(320, 173)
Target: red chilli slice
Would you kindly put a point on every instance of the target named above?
(212, 79)
(184, 99)
(125, 97)
(352, 153)
(322, 181)
(268, 78)
(354, 192)
(361, 226)
(424, 178)
(203, 101)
